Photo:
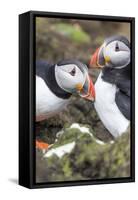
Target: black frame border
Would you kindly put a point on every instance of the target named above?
(27, 167)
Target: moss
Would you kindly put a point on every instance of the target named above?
(73, 32)
(88, 160)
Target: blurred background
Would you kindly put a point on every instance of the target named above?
(58, 39)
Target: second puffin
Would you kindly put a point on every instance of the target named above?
(113, 84)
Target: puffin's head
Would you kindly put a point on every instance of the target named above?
(72, 76)
(115, 53)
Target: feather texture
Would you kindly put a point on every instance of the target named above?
(107, 109)
(47, 103)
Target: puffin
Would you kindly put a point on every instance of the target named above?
(112, 101)
(55, 83)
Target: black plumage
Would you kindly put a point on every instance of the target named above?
(46, 71)
(119, 38)
(121, 78)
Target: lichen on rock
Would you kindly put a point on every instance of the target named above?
(88, 158)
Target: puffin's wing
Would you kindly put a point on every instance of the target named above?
(123, 103)
(123, 97)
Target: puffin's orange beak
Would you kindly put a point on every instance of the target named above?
(94, 62)
(91, 92)
(94, 58)
(88, 90)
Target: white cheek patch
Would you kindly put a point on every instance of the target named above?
(119, 58)
(110, 48)
(65, 80)
(67, 68)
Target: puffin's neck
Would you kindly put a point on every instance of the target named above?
(112, 75)
(53, 85)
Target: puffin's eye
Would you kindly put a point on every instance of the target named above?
(73, 72)
(117, 47)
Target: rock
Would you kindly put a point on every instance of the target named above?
(78, 111)
(87, 158)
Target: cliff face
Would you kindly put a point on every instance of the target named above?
(78, 155)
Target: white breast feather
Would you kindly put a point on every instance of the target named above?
(107, 109)
(47, 103)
